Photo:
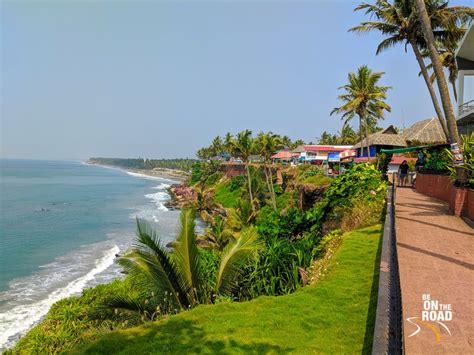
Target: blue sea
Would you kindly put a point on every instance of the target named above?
(61, 225)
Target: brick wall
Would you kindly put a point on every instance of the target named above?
(232, 170)
(461, 201)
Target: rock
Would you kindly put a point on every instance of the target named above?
(308, 195)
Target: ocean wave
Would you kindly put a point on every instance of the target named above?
(149, 177)
(159, 198)
(161, 186)
(21, 317)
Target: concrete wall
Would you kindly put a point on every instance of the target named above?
(460, 200)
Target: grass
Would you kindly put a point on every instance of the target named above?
(334, 316)
(318, 180)
(225, 195)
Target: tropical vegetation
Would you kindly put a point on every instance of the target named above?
(184, 164)
(363, 97)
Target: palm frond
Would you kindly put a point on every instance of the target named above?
(186, 255)
(234, 257)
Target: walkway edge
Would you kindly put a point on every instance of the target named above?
(388, 332)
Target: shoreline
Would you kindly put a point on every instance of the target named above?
(178, 175)
(105, 259)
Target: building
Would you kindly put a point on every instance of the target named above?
(319, 153)
(423, 132)
(428, 131)
(465, 61)
(284, 156)
(386, 139)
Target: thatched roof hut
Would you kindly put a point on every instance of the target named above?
(425, 132)
(387, 137)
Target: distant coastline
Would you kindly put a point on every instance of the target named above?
(172, 174)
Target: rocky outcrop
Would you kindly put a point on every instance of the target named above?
(308, 195)
(181, 195)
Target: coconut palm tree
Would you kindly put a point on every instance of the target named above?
(440, 78)
(347, 135)
(448, 60)
(179, 273)
(399, 22)
(228, 146)
(218, 235)
(364, 98)
(266, 145)
(244, 147)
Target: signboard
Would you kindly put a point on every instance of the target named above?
(458, 159)
(334, 157)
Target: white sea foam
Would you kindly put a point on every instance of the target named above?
(149, 177)
(161, 186)
(159, 198)
(20, 318)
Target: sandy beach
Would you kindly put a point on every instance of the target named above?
(171, 174)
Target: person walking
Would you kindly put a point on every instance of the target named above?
(403, 173)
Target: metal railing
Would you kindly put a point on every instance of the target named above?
(466, 107)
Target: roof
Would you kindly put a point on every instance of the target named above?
(428, 131)
(328, 148)
(465, 51)
(284, 154)
(388, 136)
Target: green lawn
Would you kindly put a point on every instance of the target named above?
(334, 316)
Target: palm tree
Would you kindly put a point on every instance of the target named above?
(399, 22)
(228, 146)
(266, 145)
(217, 146)
(364, 98)
(179, 273)
(440, 78)
(218, 235)
(347, 135)
(448, 59)
(244, 146)
(327, 138)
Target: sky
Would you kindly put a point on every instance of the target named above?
(160, 79)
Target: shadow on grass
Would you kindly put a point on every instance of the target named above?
(371, 312)
(176, 336)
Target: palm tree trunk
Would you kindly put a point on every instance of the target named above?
(267, 178)
(431, 90)
(441, 81)
(360, 136)
(250, 186)
(273, 189)
(455, 92)
(367, 137)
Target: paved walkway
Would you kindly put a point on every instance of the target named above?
(436, 257)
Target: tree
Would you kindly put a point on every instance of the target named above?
(399, 22)
(266, 145)
(228, 145)
(179, 273)
(244, 146)
(218, 235)
(217, 146)
(327, 138)
(297, 143)
(364, 98)
(440, 78)
(448, 59)
(347, 136)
